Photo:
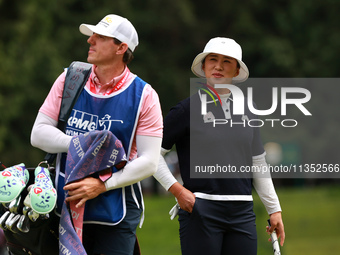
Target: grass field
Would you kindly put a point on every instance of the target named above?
(311, 218)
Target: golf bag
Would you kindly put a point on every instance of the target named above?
(42, 237)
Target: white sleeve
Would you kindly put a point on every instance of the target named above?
(46, 136)
(264, 186)
(163, 174)
(145, 165)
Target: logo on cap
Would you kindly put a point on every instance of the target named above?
(108, 19)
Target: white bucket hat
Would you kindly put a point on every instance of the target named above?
(226, 47)
(114, 26)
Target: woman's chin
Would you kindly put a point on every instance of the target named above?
(212, 81)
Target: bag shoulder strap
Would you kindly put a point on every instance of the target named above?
(75, 80)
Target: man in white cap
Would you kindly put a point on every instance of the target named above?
(216, 213)
(117, 100)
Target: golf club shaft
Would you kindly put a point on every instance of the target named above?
(275, 242)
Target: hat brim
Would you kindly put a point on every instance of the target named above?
(196, 68)
(88, 30)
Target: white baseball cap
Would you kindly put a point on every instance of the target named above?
(114, 26)
(226, 47)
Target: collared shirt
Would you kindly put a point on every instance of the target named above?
(107, 88)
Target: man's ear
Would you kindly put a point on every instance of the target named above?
(123, 47)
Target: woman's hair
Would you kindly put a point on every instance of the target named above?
(128, 56)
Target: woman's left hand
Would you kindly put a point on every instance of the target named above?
(277, 225)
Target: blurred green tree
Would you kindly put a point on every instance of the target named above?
(39, 38)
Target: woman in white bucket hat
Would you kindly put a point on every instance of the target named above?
(227, 48)
(215, 205)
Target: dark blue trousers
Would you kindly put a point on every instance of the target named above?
(115, 240)
(218, 228)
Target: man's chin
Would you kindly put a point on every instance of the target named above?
(89, 59)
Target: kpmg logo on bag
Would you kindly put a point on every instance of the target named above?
(81, 122)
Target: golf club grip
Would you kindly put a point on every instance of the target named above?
(275, 241)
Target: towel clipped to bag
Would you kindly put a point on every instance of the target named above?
(96, 151)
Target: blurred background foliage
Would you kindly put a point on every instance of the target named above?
(287, 38)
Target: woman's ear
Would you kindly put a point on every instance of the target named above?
(237, 72)
(203, 66)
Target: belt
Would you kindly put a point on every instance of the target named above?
(224, 197)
